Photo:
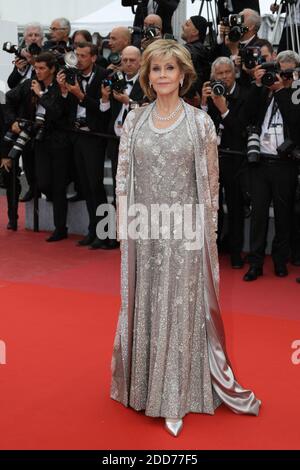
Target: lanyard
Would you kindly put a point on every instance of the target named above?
(275, 109)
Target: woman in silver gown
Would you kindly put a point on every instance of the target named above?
(169, 355)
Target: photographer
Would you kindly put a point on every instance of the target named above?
(194, 33)
(273, 170)
(84, 119)
(163, 8)
(233, 39)
(24, 65)
(224, 100)
(60, 30)
(35, 113)
(152, 30)
(6, 177)
(119, 38)
(115, 106)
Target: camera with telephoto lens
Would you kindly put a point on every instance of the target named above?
(237, 27)
(115, 58)
(150, 32)
(251, 56)
(253, 145)
(34, 49)
(270, 77)
(69, 68)
(116, 81)
(218, 87)
(66, 59)
(290, 74)
(29, 130)
(22, 139)
(12, 49)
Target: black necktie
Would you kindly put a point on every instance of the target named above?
(129, 82)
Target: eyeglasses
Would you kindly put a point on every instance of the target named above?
(56, 29)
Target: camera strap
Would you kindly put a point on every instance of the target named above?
(275, 109)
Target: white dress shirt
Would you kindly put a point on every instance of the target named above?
(272, 132)
(106, 106)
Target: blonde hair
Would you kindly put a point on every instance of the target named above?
(164, 48)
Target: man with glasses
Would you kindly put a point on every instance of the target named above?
(59, 31)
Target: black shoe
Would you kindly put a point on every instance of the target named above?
(253, 273)
(111, 245)
(104, 244)
(27, 197)
(57, 236)
(86, 241)
(236, 261)
(76, 198)
(12, 226)
(280, 270)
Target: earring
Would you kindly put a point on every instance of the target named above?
(150, 84)
(181, 82)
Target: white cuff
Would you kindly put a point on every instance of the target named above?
(223, 116)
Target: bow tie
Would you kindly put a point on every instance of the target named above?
(129, 82)
(86, 79)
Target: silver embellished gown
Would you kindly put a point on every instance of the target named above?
(170, 374)
(169, 356)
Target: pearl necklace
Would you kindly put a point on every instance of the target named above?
(170, 116)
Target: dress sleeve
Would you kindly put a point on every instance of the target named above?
(124, 158)
(212, 167)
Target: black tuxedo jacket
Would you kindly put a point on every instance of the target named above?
(136, 94)
(21, 102)
(238, 5)
(91, 102)
(15, 77)
(165, 10)
(234, 136)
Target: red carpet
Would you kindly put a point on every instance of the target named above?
(59, 307)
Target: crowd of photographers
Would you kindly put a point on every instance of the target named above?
(67, 104)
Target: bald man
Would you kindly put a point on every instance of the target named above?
(153, 20)
(155, 23)
(119, 38)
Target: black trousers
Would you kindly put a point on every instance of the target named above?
(12, 200)
(89, 154)
(113, 154)
(233, 178)
(272, 180)
(52, 161)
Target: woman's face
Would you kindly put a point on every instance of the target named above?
(165, 75)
